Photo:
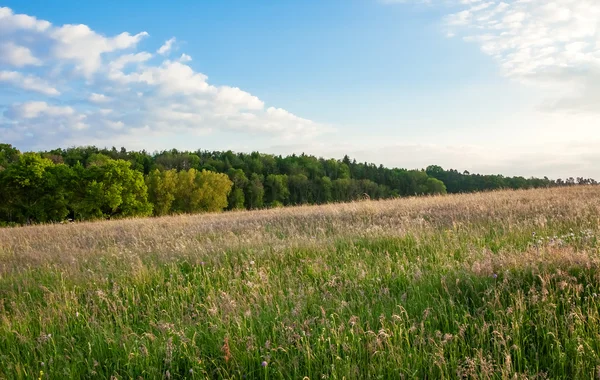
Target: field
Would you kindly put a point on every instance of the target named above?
(494, 285)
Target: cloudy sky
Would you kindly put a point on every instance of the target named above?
(509, 87)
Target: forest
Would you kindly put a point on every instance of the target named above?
(89, 183)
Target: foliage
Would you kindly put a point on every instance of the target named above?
(237, 198)
(110, 188)
(177, 182)
(200, 191)
(8, 155)
(214, 189)
(276, 189)
(161, 190)
(33, 189)
(255, 192)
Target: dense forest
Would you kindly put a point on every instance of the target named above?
(85, 183)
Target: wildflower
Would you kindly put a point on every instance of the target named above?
(264, 363)
(191, 371)
(77, 314)
(251, 262)
(495, 275)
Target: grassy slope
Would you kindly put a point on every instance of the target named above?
(425, 287)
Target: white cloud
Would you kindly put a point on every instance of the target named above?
(147, 98)
(166, 47)
(460, 18)
(553, 45)
(236, 97)
(28, 82)
(31, 110)
(76, 44)
(185, 58)
(173, 78)
(115, 67)
(10, 22)
(98, 98)
(39, 120)
(124, 60)
(16, 55)
(84, 47)
(117, 125)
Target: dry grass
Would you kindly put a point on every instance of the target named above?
(202, 236)
(489, 285)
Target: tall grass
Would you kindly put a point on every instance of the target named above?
(496, 285)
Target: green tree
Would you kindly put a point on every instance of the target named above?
(344, 171)
(33, 189)
(201, 191)
(254, 192)
(184, 191)
(161, 190)
(8, 155)
(110, 188)
(300, 189)
(237, 198)
(213, 190)
(324, 188)
(98, 159)
(276, 188)
(341, 190)
(435, 186)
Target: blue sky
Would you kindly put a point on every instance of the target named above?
(488, 86)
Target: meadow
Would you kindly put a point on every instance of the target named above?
(497, 285)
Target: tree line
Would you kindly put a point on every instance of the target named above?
(86, 183)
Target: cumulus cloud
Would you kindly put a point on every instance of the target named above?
(28, 82)
(10, 22)
(185, 58)
(16, 55)
(32, 110)
(84, 47)
(111, 91)
(98, 98)
(166, 47)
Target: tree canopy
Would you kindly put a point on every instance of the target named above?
(89, 183)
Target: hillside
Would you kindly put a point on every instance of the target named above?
(484, 285)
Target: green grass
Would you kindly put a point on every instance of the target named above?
(471, 295)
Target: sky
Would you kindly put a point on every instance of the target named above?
(509, 87)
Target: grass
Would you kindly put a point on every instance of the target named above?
(481, 286)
